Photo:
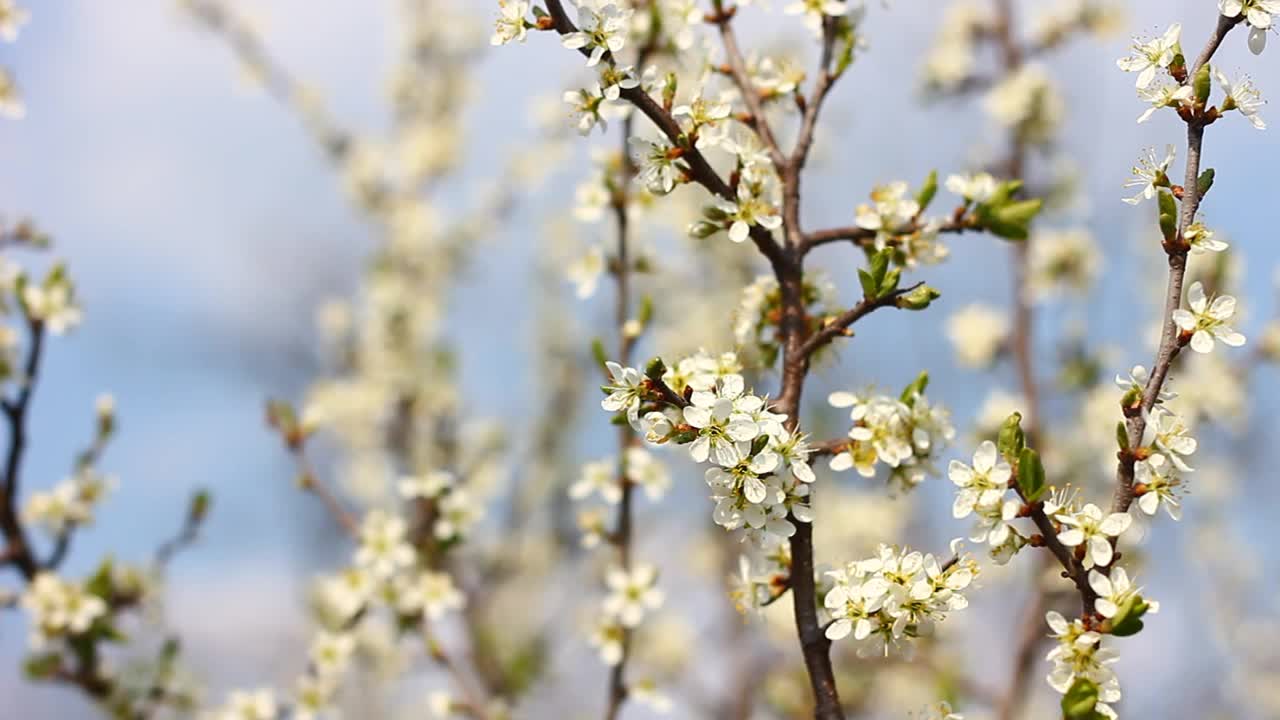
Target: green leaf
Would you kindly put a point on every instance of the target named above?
(1080, 700)
(1005, 217)
(915, 389)
(42, 666)
(928, 191)
(1031, 474)
(646, 311)
(1128, 620)
(598, 353)
(1011, 439)
(1205, 182)
(1004, 193)
(868, 284)
(1168, 205)
(1200, 83)
(101, 583)
(879, 266)
(918, 299)
(890, 282)
(1122, 436)
(1168, 216)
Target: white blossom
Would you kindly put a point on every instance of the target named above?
(383, 548)
(895, 595)
(1163, 95)
(1208, 322)
(1241, 95)
(1257, 13)
(510, 24)
(602, 27)
(977, 188)
(1149, 174)
(1159, 485)
(1114, 591)
(12, 18)
(1088, 526)
(632, 593)
(1149, 57)
(977, 333)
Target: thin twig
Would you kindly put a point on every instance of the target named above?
(839, 325)
(700, 170)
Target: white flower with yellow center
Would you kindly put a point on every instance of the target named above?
(1208, 321)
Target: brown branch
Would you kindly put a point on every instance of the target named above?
(700, 171)
(308, 480)
(863, 237)
(828, 447)
(1030, 637)
(1170, 343)
(623, 531)
(813, 106)
(750, 95)
(18, 546)
(839, 325)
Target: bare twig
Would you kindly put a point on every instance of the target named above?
(699, 169)
(750, 95)
(866, 238)
(839, 325)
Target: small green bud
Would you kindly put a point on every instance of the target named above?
(1080, 700)
(918, 299)
(1031, 474)
(928, 191)
(1205, 182)
(915, 389)
(646, 311)
(868, 283)
(1128, 619)
(1201, 85)
(42, 666)
(199, 507)
(1011, 439)
(655, 369)
(890, 282)
(703, 230)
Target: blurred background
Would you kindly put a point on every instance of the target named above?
(205, 227)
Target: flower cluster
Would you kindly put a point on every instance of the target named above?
(903, 433)
(1164, 79)
(896, 595)
(1079, 658)
(1258, 13)
(982, 492)
(60, 608)
(69, 503)
(12, 18)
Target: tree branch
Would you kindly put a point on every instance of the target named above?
(19, 547)
(838, 325)
(1169, 340)
(699, 169)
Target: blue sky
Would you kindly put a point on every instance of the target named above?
(202, 226)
